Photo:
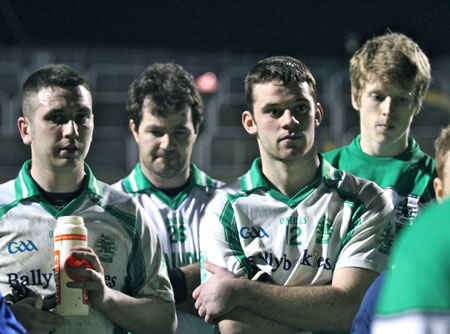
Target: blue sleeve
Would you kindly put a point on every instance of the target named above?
(361, 323)
(8, 323)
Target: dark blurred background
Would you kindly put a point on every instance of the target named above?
(111, 42)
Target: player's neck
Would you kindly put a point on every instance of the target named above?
(58, 180)
(391, 149)
(292, 176)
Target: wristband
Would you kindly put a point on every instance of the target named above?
(178, 281)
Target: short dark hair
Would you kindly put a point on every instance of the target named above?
(59, 75)
(284, 69)
(170, 89)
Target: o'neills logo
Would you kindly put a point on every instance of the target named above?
(58, 277)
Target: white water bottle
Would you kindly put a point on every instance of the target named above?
(70, 232)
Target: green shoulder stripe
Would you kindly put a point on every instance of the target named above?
(136, 264)
(228, 221)
(6, 207)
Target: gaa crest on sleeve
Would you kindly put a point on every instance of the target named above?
(406, 207)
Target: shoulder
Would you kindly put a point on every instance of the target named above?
(7, 192)
(226, 192)
(203, 181)
(114, 197)
(334, 156)
(119, 185)
(362, 190)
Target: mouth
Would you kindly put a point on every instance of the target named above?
(290, 138)
(385, 127)
(70, 149)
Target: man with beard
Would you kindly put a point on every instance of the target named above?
(165, 111)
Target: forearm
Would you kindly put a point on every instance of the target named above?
(147, 314)
(331, 307)
(192, 280)
(242, 320)
(312, 308)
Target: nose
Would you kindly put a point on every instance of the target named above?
(70, 129)
(289, 120)
(386, 106)
(166, 142)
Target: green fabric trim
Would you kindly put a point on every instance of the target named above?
(6, 207)
(137, 182)
(26, 188)
(136, 265)
(254, 179)
(410, 173)
(228, 221)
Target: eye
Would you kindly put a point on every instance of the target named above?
(156, 133)
(402, 100)
(181, 132)
(276, 113)
(82, 118)
(376, 97)
(57, 118)
(301, 108)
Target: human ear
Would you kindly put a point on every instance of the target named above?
(249, 123)
(25, 129)
(438, 189)
(318, 116)
(134, 131)
(355, 103)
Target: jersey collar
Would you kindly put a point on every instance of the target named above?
(412, 152)
(254, 179)
(137, 182)
(25, 187)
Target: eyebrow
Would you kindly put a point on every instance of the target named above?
(298, 100)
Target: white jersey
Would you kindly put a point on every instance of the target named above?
(177, 220)
(119, 231)
(337, 221)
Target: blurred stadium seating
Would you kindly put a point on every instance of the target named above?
(223, 150)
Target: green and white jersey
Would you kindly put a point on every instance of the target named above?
(337, 221)
(177, 219)
(119, 232)
(415, 296)
(406, 178)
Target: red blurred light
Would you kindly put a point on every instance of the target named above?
(207, 83)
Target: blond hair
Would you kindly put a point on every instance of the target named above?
(441, 149)
(390, 58)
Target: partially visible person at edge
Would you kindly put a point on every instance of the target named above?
(128, 287)
(390, 76)
(415, 294)
(285, 251)
(363, 320)
(8, 323)
(165, 111)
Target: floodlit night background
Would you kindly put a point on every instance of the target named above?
(111, 42)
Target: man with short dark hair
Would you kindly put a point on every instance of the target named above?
(128, 287)
(165, 112)
(307, 238)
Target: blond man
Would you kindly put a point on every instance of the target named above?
(390, 76)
